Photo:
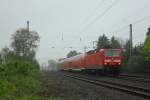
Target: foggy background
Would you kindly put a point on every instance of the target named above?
(73, 23)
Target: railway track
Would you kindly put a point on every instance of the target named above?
(135, 78)
(137, 91)
(131, 78)
(133, 75)
(138, 78)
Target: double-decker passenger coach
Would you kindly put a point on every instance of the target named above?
(108, 59)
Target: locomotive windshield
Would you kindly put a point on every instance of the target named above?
(108, 53)
(114, 53)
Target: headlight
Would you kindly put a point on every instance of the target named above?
(107, 60)
(117, 61)
(105, 63)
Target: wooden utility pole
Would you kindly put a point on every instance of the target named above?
(131, 40)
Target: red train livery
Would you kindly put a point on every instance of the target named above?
(104, 58)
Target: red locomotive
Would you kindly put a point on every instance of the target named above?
(94, 60)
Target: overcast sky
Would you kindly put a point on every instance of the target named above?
(72, 20)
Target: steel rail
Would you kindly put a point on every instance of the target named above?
(137, 91)
(135, 78)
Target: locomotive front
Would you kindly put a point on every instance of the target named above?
(113, 57)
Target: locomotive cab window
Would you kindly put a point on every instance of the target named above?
(108, 54)
(116, 53)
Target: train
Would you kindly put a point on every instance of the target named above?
(108, 60)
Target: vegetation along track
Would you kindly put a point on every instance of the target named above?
(138, 91)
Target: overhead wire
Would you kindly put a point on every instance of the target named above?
(91, 14)
(139, 21)
(102, 14)
(98, 17)
(88, 17)
(122, 28)
(136, 22)
(137, 11)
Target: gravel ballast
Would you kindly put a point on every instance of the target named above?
(55, 84)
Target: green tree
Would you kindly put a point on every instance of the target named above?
(4, 52)
(1, 58)
(134, 63)
(138, 49)
(148, 32)
(103, 42)
(24, 41)
(140, 57)
(18, 72)
(114, 43)
(127, 48)
(72, 53)
(146, 49)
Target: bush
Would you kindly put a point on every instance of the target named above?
(137, 64)
(18, 78)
